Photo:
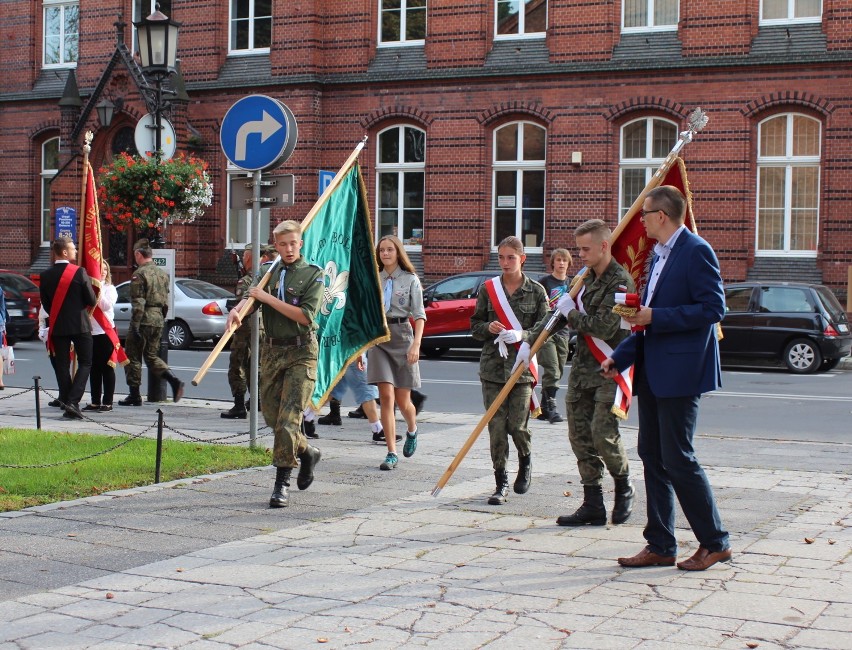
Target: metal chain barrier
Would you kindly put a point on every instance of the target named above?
(219, 440)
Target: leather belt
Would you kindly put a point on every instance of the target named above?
(396, 321)
(295, 342)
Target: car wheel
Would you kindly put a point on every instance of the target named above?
(179, 335)
(829, 364)
(434, 353)
(802, 356)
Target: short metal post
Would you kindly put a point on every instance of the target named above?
(159, 445)
(38, 401)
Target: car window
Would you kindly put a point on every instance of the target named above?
(202, 289)
(737, 299)
(123, 291)
(831, 304)
(455, 288)
(18, 282)
(785, 299)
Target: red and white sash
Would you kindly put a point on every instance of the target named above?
(623, 381)
(507, 317)
(58, 299)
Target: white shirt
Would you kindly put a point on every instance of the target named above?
(107, 301)
(662, 251)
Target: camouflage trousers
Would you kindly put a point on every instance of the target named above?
(239, 366)
(511, 419)
(593, 433)
(552, 357)
(286, 385)
(145, 346)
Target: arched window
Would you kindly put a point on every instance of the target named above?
(788, 167)
(401, 183)
(645, 143)
(49, 168)
(518, 166)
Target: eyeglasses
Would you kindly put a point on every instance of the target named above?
(645, 213)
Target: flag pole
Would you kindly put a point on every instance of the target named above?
(81, 220)
(696, 121)
(249, 303)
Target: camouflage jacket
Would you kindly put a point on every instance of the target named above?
(529, 303)
(149, 294)
(303, 288)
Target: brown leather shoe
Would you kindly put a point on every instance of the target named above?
(704, 559)
(646, 558)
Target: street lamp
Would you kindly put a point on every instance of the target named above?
(105, 109)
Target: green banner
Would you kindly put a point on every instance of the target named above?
(339, 239)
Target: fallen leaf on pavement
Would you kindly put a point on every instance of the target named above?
(566, 493)
(752, 644)
(809, 540)
(322, 639)
(832, 541)
(110, 595)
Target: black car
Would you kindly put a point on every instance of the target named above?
(22, 319)
(801, 325)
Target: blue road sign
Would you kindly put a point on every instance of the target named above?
(66, 223)
(325, 179)
(258, 133)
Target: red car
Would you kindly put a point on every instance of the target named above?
(23, 285)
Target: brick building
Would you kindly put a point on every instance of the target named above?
(485, 118)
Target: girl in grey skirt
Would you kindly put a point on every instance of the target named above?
(394, 365)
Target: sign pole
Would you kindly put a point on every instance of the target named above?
(254, 379)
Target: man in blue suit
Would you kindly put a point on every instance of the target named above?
(677, 359)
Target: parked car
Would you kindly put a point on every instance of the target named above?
(23, 317)
(801, 325)
(199, 314)
(449, 305)
(23, 284)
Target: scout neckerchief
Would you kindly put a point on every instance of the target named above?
(507, 317)
(58, 299)
(600, 351)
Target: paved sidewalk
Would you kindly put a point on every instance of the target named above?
(370, 557)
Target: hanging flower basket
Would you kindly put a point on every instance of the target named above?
(136, 192)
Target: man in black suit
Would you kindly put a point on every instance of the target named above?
(66, 293)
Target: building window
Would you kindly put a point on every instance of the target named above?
(784, 12)
(403, 22)
(251, 26)
(401, 183)
(49, 167)
(61, 33)
(518, 204)
(143, 9)
(644, 15)
(520, 18)
(645, 143)
(240, 223)
(788, 167)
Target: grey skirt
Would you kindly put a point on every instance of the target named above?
(388, 360)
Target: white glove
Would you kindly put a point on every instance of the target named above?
(502, 350)
(42, 334)
(565, 304)
(523, 356)
(510, 336)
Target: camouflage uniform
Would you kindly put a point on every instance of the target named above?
(289, 358)
(529, 303)
(149, 296)
(592, 428)
(553, 354)
(238, 365)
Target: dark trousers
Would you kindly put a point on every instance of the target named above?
(72, 389)
(103, 374)
(666, 430)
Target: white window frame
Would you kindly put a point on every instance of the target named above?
(45, 177)
(400, 168)
(520, 166)
(63, 4)
(650, 27)
(648, 162)
(403, 17)
(788, 161)
(522, 17)
(238, 241)
(790, 19)
(251, 49)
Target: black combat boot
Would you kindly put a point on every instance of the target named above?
(134, 399)
(333, 416)
(358, 413)
(280, 497)
(309, 428)
(544, 416)
(307, 461)
(176, 384)
(237, 411)
(417, 398)
(552, 409)
(524, 477)
(624, 494)
(592, 511)
(501, 478)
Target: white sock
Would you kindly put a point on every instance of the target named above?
(309, 414)
(376, 427)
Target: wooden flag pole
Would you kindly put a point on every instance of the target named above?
(249, 304)
(697, 120)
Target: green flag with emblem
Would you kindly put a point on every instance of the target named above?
(339, 239)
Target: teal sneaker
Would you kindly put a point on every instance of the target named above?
(390, 461)
(410, 445)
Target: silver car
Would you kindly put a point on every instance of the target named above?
(199, 315)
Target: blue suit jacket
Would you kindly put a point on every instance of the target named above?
(679, 347)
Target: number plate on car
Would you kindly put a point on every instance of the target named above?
(16, 312)
(843, 327)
